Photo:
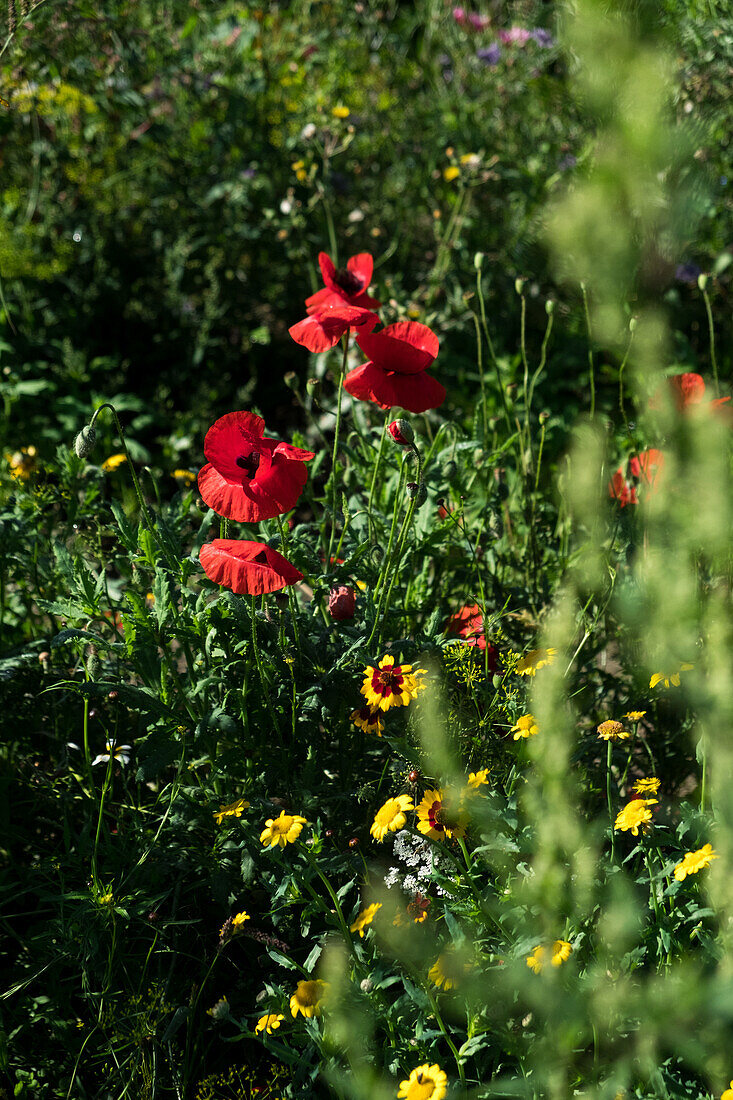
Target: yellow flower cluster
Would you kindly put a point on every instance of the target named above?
(561, 950)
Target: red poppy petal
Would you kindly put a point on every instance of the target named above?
(233, 435)
(248, 568)
(414, 392)
(406, 347)
(281, 485)
(230, 499)
(687, 389)
(311, 334)
(361, 265)
(322, 299)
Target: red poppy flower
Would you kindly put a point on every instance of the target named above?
(249, 477)
(323, 330)
(686, 390)
(619, 489)
(342, 602)
(345, 285)
(248, 568)
(395, 373)
(645, 470)
(468, 624)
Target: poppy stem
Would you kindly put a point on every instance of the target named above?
(590, 353)
(260, 669)
(291, 595)
(621, 382)
(376, 473)
(711, 329)
(334, 492)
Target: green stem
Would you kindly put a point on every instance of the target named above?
(446, 1036)
(621, 380)
(260, 669)
(609, 758)
(334, 494)
(492, 353)
(375, 474)
(711, 330)
(591, 363)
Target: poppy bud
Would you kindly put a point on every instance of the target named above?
(85, 440)
(632, 324)
(417, 492)
(478, 260)
(519, 286)
(544, 416)
(366, 985)
(44, 659)
(342, 602)
(94, 665)
(113, 696)
(402, 433)
(313, 385)
(549, 307)
(291, 380)
(702, 281)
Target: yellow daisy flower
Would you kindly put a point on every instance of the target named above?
(340, 111)
(646, 786)
(635, 715)
(478, 779)
(526, 726)
(110, 464)
(613, 731)
(728, 1094)
(694, 862)
(561, 950)
(435, 818)
(185, 477)
(668, 678)
(535, 660)
(22, 463)
(269, 1023)
(451, 173)
(234, 809)
(424, 1083)
(390, 685)
(365, 918)
(239, 920)
(282, 830)
(634, 816)
(308, 998)
(391, 816)
(536, 960)
(368, 720)
(448, 969)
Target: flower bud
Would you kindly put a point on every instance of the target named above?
(354, 842)
(478, 260)
(342, 602)
(402, 433)
(549, 307)
(416, 491)
(702, 281)
(544, 416)
(85, 440)
(519, 286)
(366, 985)
(94, 665)
(632, 324)
(313, 385)
(291, 380)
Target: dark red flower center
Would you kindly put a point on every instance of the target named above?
(261, 558)
(249, 463)
(349, 283)
(388, 681)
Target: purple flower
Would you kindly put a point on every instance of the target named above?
(687, 273)
(543, 38)
(518, 35)
(490, 55)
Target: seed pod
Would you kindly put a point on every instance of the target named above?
(417, 492)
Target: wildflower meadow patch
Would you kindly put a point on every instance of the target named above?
(368, 716)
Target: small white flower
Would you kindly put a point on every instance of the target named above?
(356, 215)
(286, 206)
(119, 753)
(308, 131)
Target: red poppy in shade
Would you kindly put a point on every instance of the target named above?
(342, 602)
(248, 568)
(323, 330)
(396, 371)
(345, 285)
(619, 489)
(644, 471)
(249, 477)
(687, 390)
(468, 624)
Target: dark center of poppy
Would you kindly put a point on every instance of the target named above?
(349, 283)
(261, 558)
(249, 463)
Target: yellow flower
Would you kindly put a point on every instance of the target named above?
(635, 816)
(478, 779)
(635, 715)
(368, 720)
(525, 727)
(365, 918)
(308, 998)
(534, 660)
(668, 678)
(269, 1023)
(694, 862)
(451, 173)
(471, 159)
(424, 1083)
(646, 786)
(613, 731)
(435, 818)
(391, 816)
(239, 920)
(110, 464)
(340, 111)
(728, 1094)
(234, 809)
(22, 463)
(561, 950)
(186, 477)
(390, 685)
(282, 830)
(448, 969)
(297, 164)
(536, 960)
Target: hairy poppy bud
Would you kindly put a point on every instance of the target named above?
(416, 491)
(702, 281)
(85, 440)
(544, 416)
(402, 433)
(549, 307)
(291, 380)
(519, 286)
(478, 260)
(342, 602)
(94, 665)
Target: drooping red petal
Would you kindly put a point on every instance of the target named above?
(323, 330)
(362, 266)
(328, 270)
(687, 389)
(415, 392)
(281, 485)
(248, 568)
(406, 347)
